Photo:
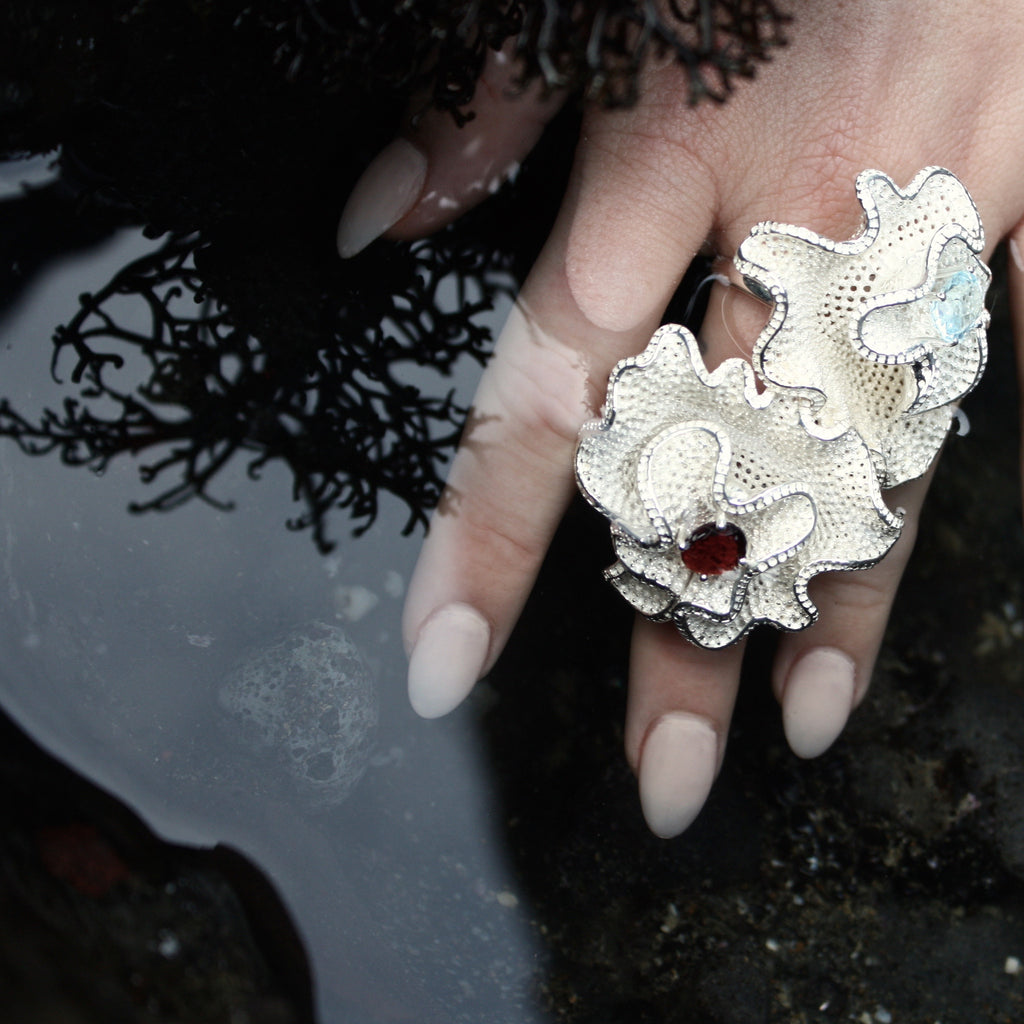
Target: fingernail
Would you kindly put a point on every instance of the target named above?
(447, 659)
(677, 768)
(817, 700)
(383, 195)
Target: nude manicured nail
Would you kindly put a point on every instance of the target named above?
(447, 659)
(677, 768)
(817, 700)
(383, 195)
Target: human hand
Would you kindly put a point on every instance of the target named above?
(862, 84)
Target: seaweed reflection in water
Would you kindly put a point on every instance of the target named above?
(198, 388)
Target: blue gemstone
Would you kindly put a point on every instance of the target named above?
(960, 306)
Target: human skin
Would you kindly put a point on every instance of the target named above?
(862, 84)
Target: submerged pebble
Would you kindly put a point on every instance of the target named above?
(307, 702)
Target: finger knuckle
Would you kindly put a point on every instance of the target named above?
(867, 594)
(543, 387)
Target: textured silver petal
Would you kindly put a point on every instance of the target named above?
(642, 409)
(728, 493)
(825, 290)
(803, 504)
(904, 327)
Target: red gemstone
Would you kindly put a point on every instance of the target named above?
(711, 550)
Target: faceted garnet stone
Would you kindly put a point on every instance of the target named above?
(711, 550)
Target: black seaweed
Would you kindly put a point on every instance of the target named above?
(236, 132)
(594, 48)
(330, 407)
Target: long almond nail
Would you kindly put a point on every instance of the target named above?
(677, 768)
(384, 194)
(817, 700)
(447, 658)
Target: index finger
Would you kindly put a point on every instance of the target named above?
(513, 475)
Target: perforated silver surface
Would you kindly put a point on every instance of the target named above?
(853, 320)
(870, 342)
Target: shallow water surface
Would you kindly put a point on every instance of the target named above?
(233, 685)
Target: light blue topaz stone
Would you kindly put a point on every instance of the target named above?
(959, 307)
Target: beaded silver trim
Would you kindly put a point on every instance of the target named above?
(728, 491)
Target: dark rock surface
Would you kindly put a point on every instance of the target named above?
(102, 923)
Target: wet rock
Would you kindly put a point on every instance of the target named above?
(306, 702)
(986, 721)
(736, 990)
(104, 923)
